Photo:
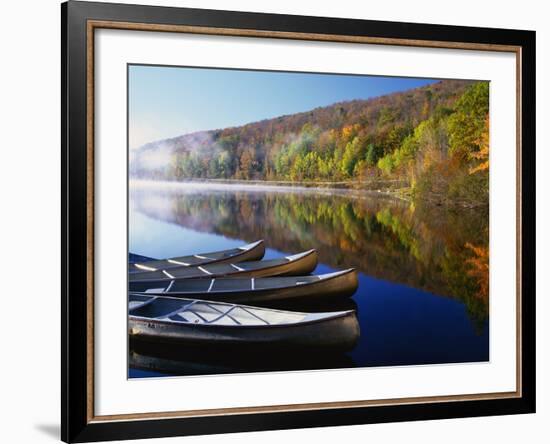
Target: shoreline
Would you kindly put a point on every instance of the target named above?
(350, 188)
(354, 189)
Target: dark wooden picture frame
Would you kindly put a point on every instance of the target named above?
(79, 20)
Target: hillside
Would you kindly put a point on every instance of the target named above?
(432, 139)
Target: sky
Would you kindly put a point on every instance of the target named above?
(170, 101)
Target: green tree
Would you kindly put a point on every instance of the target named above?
(351, 155)
(224, 164)
(373, 154)
(467, 124)
(386, 164)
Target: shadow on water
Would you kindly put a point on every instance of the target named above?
(179, 360)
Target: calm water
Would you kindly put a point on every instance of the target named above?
(423, 271)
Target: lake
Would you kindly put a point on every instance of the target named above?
(423, 295)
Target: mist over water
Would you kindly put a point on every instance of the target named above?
(423, 271)
(198, 186)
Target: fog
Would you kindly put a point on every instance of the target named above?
(156, 187)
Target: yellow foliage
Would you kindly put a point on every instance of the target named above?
(350, 130)
(483, 153)
(346, 131)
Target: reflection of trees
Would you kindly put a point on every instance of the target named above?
(432, 248)
(479, 269)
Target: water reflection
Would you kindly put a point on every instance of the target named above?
(439, 250)
(166, 359)
(423, 271)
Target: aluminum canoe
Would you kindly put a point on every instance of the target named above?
(295, 265)
(198, 322)
(341, 284)
(251, 252)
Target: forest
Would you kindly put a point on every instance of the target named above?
(429, 143)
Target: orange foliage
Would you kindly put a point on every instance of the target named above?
(479, 269)
(349, 131)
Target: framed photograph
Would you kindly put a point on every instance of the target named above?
(276, 221)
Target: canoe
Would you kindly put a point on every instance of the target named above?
(340, 284)
(198, 322)
(251, 252)
(295, 265)
(133, 258)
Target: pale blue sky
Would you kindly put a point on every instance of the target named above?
(171, 101)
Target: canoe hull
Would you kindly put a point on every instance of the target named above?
(339, 332)
(337, 287)
(300, 267)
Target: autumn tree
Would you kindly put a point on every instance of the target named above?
(483, 154)
(246, 164)
(434, 138)
(468, 122)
